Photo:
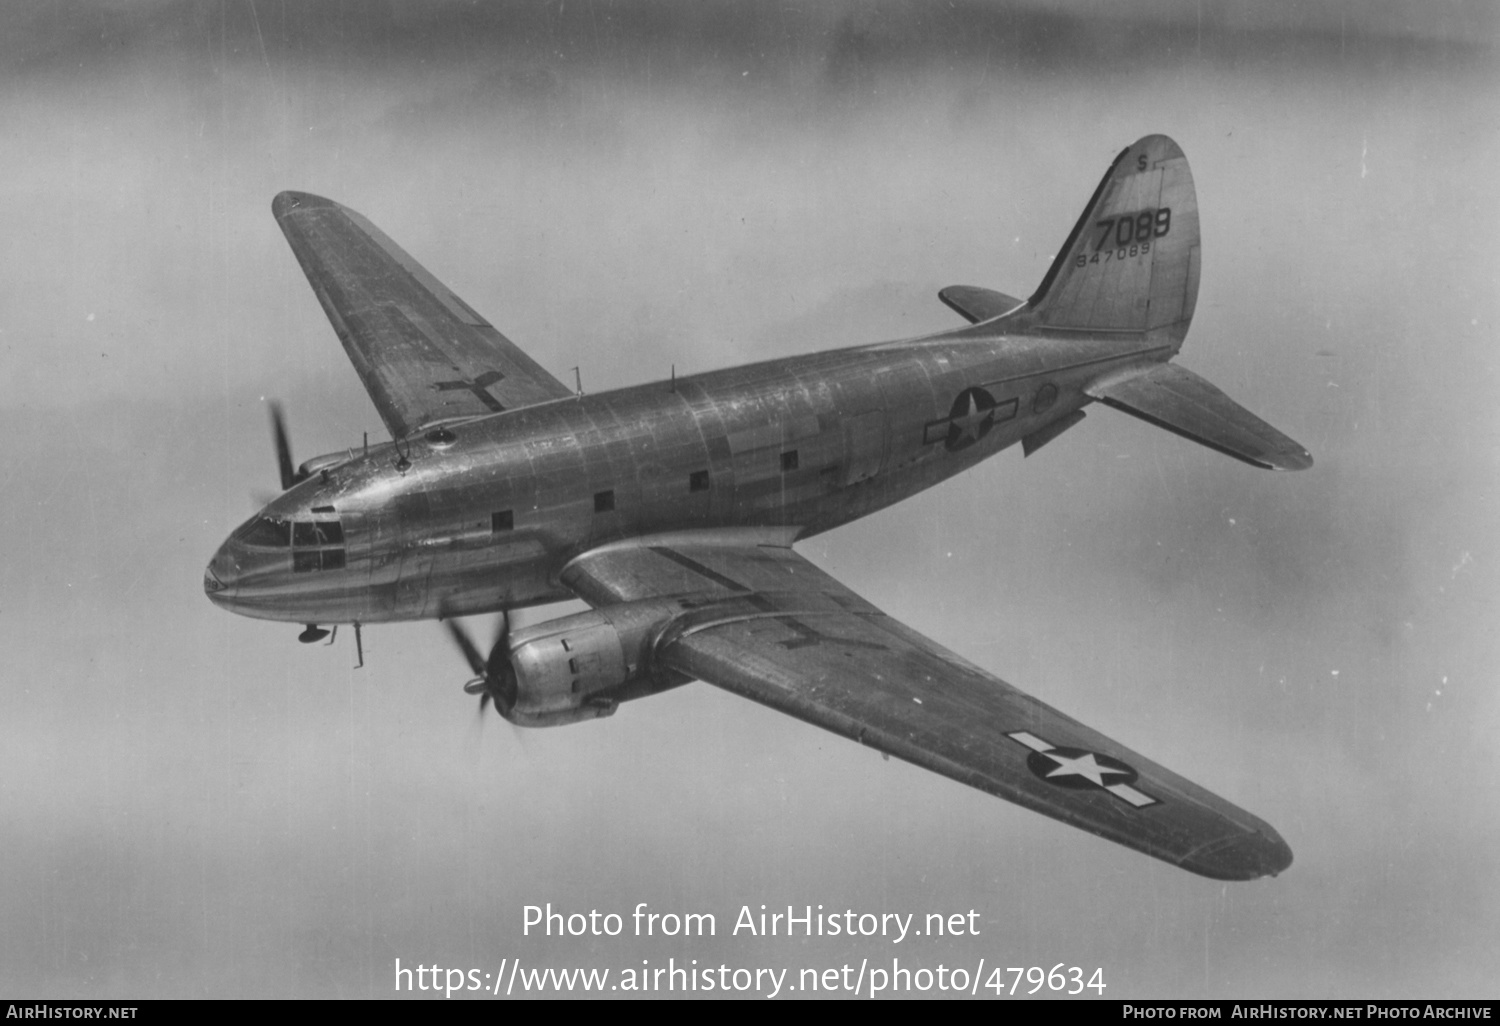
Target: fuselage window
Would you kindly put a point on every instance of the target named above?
(789, 461)
(698, 481)
(505, 520)
(604, 501)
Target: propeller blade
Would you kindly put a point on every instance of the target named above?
(283, 448)
(476, 662)
(494, 679)
(499, 648)
(498, 672)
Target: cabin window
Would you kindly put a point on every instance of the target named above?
(505, 520)
(789, 461)
(604, 501)
(1045, 397)
(698, 481)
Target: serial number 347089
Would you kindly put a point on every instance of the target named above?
(1126, 236)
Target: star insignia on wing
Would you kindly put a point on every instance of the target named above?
(1076, 768)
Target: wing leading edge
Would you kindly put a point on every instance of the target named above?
(767, 624)
(423, 354)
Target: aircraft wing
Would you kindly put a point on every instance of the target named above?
(762, 622)
(423, 354)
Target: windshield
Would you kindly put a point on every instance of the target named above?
(265, 531)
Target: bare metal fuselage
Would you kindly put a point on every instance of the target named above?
(487, 512)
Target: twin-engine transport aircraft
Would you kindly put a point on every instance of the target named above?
(673, 508)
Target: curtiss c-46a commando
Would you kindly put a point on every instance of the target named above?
(673, 509)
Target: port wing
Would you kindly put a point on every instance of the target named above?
(423, 354)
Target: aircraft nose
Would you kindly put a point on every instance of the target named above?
(219, 578)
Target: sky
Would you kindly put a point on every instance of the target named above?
(196, 805)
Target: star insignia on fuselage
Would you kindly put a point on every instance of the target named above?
(970, 419)
(1078, 768)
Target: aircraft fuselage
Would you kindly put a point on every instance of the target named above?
(488, 511)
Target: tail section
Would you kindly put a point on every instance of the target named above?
(1130, 265)
(1131, 261)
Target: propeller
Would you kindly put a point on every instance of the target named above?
(495, 679)
(289, 474)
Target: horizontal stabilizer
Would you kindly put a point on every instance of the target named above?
(1175, 398)
(977, 304)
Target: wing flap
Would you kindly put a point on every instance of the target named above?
(422, 353)
(1180, 401)
(766, 624)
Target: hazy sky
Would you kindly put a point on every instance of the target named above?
(194, 804)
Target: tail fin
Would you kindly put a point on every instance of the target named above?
(1131, 262)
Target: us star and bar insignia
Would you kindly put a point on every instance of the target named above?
(1077, 768)
(974, 412)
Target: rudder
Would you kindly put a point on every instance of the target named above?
(1131, 261)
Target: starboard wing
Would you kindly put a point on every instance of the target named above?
(1175, 398)
(762, 622)
(423, 354)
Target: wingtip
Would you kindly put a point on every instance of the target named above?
(286, 202)
(1247, 857)
(1290, 459)
(1298, 461)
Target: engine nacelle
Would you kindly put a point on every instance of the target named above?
(582, 667)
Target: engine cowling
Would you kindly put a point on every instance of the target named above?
(582, 667)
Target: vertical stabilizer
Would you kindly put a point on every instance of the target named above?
(1131, 261)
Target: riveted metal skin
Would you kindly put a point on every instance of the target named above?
(871, 426)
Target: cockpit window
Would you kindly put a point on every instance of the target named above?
(266, 531)
(311, 541)
(310, 538)
(317, 532)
